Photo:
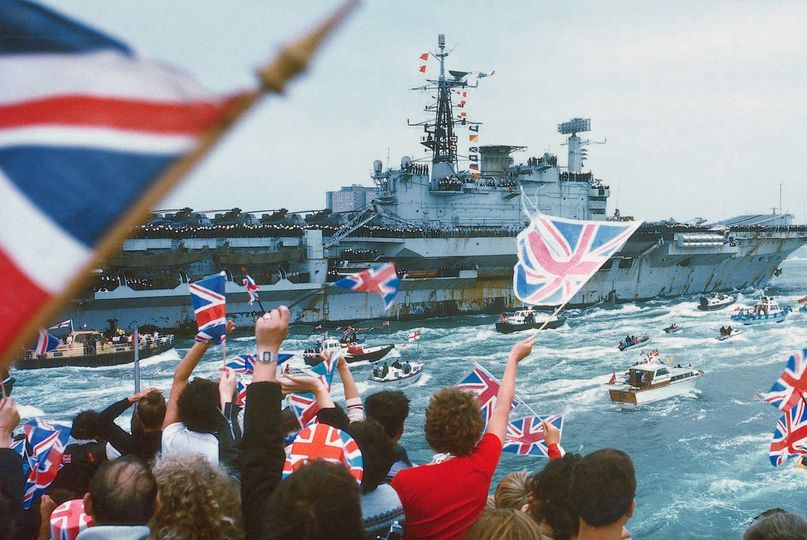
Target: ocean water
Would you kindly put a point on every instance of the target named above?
(701, 459)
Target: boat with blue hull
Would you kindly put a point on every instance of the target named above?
(767, 310)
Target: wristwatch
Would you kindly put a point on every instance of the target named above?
(267, 357)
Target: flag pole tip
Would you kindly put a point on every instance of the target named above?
(294, 58)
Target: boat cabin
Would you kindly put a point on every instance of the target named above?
(647, 376)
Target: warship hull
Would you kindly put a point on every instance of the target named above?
(643, 270)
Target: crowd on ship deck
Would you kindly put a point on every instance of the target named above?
(449, 183)
(416, 169)
(198, 466)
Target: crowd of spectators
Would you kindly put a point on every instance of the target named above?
(450, 183)
(200, 467)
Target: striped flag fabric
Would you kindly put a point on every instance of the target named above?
(321, 441)
(382, 280)
(791, 386)
(557, 256)
(45, 343)
(210, 307)
(305, 405)
(86, 129)
(68, 520)
(414, 335)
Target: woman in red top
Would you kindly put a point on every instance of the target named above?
(444, 498)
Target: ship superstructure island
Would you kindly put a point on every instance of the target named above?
(448, 222)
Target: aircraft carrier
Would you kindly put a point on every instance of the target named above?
(449, 223)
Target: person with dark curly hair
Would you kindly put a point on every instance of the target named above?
(551, 505)
(391, 408)
(777, 524)
(192, 415)
(603, 487)
(442, 499)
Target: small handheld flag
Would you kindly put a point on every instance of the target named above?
(45, 343)
(47, 443)
(305, 405)
(791, 386)
(790, 436)
(69, 519)
(252, 289)
(485, 386)
(414, 335)
(210, 307)
(381, 280)
(525, 436)
(557, 256)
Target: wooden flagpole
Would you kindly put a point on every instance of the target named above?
(291, 60)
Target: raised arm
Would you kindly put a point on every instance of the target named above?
(114, 434)
(262, 446)
(355, 408)
(497, 425)
(182, 375)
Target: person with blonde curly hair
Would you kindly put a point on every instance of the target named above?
(197, 500)
(442, 499)
(504, 524)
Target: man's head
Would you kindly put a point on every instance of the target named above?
(603, 487)
(453, 421)
(503, 524)
(198, 405)
(320, 500)
(377, 451)
(390, 409)
(151, 410)
(122, 492)
(777, 524)
(86, 425)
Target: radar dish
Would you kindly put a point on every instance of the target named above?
(377, 165)
(575, 125)
(458, 74)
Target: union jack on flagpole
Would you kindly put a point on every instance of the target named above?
(525, 436)
(557, 256)
(791, 386)
(210, 307)
(790, 436)
(381, 280)
(46, 343)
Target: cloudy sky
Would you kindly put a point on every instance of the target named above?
(703, 104)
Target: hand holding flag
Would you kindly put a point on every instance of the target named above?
(532, 435)
(210, 307)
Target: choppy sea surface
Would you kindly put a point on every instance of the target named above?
(701, 459)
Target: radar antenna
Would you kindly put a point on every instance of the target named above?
(577, 154)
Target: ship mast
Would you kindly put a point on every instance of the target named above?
(439, 133)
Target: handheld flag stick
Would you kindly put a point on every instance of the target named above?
(292, 60)
(554, 314)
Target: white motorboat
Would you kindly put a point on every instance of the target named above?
(653, 381)
(527, 319)
(408, 373)
(767, 310)
(715, 302)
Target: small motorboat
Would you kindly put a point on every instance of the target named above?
(353, 354)
(632, 341)
(716, 301)
(672, 329)
(653, 381)
(398, 374)
(803, 308)
(767, 310)
(727, 332)
(527, 319)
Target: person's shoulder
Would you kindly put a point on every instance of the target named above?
(173, 429)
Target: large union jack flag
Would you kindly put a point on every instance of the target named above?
(86, 130)
(42, 451)
(557, 256)
(790, 436)
(304, 405)
(791, 386)
(485, 386)
(381, 280)
(68, 520)
(321, 441)
(525, 436)
(210, 307)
